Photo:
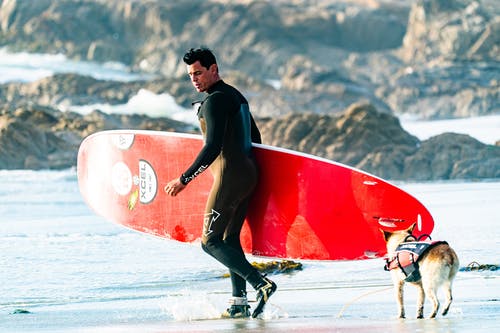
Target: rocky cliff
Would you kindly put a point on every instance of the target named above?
(325, 78)
(430, 58)
(375, 142)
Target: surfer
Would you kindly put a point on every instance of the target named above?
(229, 130)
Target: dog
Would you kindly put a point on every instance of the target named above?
(436, 267)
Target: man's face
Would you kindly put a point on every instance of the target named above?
(201, 77)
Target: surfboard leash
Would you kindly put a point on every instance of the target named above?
(341, 312)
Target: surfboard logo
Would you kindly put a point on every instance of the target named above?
(132, 199)
(147, 182)
(208, 220)
(123, 140)
(121, 178)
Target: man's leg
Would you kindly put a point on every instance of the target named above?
(224, 216)
(232, 239)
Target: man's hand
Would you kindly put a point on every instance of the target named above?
(174, 187)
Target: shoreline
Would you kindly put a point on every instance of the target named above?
(369, 309)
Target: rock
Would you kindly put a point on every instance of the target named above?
(452, 90)
(451, 49)
(367, 29)
(329, 90)
(23, 145)
(275, 267)
(70, 89)
(64, 90)
(361, 137)
(375, 142)
(151, 37)
(453, 156)
(430, 58)
(39, 137)
(454, 30)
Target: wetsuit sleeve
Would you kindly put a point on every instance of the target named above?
(255, 133)
(215, 111)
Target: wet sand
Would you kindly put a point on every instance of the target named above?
(476, 308)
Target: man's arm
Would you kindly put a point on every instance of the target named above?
(215, 113)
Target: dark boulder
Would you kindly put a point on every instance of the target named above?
(453, 156)
(39, 137)
(375, 142)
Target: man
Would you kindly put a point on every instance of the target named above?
(228, 129)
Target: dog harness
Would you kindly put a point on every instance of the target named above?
(407, 256)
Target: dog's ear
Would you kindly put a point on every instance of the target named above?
(386, 234)
(410, 229)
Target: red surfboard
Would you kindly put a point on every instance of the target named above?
(304, 207)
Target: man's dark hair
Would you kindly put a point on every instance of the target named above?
(203, 55)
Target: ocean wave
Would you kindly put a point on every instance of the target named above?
(29, 67)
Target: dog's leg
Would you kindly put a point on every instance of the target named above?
(399, 286)
(420, 301)
(454, 264)
(449, 297)
(431, 292)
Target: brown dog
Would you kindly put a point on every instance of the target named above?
(436, 267)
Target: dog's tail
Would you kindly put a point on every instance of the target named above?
(454, 263)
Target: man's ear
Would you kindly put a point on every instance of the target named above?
(214, 69)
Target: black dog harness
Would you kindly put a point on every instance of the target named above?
(407, 256)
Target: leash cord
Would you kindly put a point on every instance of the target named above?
(341, 312)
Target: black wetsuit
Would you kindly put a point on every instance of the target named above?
(229, 130)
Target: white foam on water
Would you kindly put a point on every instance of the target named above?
(29, 67)
(484, 128)
(144, 102)
(191, 305)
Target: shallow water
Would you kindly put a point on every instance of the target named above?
(73, 271)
